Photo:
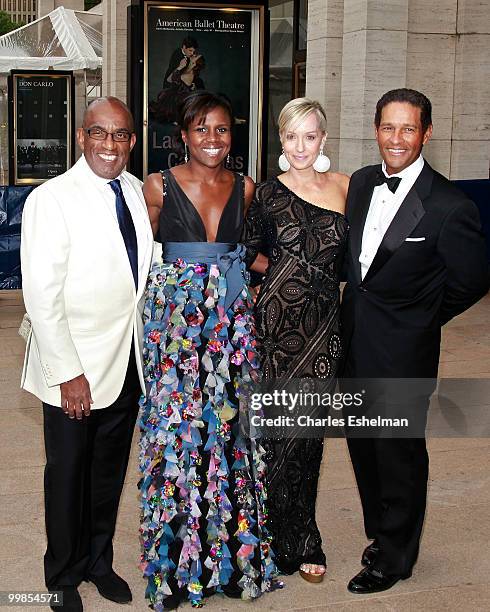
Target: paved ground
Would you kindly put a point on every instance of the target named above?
(454, 566)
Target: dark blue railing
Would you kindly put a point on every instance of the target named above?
(11, 204)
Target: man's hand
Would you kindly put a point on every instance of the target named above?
(76, 398)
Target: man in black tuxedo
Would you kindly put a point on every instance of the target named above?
(416, 259)
(180, 58)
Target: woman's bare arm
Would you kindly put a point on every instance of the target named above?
(260, 264)
(153, 192)
(249, 192)
(252, 234)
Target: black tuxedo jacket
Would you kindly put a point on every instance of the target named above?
(175, 59)
(392, 318)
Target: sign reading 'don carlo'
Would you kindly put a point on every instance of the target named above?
(41, 132)
(190, 47)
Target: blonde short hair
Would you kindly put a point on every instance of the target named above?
(298, 109)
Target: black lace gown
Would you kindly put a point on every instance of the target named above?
(298, 336)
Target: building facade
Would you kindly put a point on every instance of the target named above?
(358, 49)
(20, 10)
(346, 54)
(25, 11)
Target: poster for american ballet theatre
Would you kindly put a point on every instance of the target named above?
(188, 48)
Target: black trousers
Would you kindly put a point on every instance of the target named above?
(86, 465)
(391, 475)
(391, 472)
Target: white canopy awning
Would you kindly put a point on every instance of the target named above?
(63, 40)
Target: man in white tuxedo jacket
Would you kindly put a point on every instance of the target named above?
(86, 250)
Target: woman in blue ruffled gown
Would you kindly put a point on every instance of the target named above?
(203, 511)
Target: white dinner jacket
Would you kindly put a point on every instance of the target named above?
(78, 286)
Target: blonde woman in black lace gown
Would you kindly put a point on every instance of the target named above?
(295, 232)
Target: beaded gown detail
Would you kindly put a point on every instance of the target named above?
(298, 336)
(203, 500)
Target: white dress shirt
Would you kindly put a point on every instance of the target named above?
(131, 198)
(382, 209)
(107, 193)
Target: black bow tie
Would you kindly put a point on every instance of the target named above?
(391, 181)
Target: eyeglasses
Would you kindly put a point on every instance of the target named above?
(99, 134)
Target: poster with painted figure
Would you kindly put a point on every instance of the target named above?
(188, 48)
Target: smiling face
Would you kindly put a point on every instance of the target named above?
(209, 137)
(302, 143)
(106, 158)
(400, 135)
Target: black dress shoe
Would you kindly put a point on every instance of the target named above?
(112, 587)
(371, 580)
(72, 602)
(370, 553)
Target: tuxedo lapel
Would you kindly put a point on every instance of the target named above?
(357, 218)
(404, 222)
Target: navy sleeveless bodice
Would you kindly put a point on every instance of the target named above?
(181, 222)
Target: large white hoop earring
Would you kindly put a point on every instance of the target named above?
(322, 162)
(186, 156)
(284, 165)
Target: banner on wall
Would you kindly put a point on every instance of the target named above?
(191, 47)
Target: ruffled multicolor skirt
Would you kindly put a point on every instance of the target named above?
(203, 501)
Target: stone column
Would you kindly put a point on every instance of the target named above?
(324, 65)
(80, 105)
(374, 61)
(470, 153)
(430, 69)
(441, 50)
(115, 36)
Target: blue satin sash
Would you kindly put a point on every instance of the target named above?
(228, 257)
